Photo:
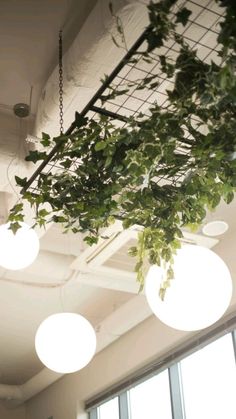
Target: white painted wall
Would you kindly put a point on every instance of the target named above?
(18, 413)
(65, 398)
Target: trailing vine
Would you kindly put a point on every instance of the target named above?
(110, 173)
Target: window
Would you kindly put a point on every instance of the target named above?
(201, 385)
(209, 381)
(109, 410)
(151, 399)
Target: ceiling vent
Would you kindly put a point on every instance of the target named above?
(108, 264)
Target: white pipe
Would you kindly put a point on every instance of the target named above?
(125, 318)
(38, 383)
(8, 392)
(116, 324)
(56, 270)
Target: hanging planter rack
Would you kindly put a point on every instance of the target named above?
(92, 107)
(103, 104)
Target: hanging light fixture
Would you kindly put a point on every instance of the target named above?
(199, 294)
(19, 250)
(65, 342)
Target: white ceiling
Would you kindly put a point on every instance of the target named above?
(28, 54)
(29, 43)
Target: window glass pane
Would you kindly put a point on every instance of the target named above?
(109, 410)
(209, 381)
(151, 399)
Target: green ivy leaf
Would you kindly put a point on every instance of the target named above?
(17, 208)
(133, 251)
(183, 15)
(101, 145)
(35, 156)
(43, 213)
(138, 266)
(154, 41)
(21, 181)
(90, 240)
(229, 197)
(29, 197)
(162, 293)
(66, 163)
(59, 219)
(45, 139)
(80, 120)
(16, 217)
(14, 227)
(108, 161)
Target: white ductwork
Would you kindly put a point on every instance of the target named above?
(125, 318)
(8, 392)
(56, 268)
(116, 324)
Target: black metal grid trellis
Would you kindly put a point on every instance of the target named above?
(200, 33)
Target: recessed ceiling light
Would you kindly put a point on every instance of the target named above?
(215, 228)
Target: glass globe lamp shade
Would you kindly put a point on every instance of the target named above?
(65, 342)
(198, 295)
(17, 251)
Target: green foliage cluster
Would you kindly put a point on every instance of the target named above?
(111, 173)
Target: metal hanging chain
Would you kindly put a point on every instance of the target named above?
(60, 84)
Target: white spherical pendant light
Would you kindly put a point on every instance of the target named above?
(17, 251)
(198, 295)
(65, 342)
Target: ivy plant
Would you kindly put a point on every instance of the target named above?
(110, 172)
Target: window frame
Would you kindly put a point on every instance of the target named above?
(171, 362)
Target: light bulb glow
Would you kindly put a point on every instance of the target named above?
(17, 251)
(65, 342)
(198, 295)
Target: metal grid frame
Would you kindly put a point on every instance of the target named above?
(204, 23)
